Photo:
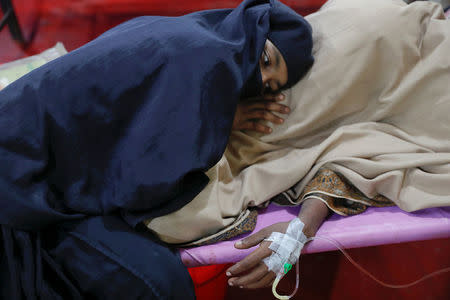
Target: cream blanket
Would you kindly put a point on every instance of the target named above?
(375, 107)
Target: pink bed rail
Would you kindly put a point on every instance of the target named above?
(376, 226)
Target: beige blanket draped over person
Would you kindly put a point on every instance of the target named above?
(369, 124)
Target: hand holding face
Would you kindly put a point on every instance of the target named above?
(249, 113)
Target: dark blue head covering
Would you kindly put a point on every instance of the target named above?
(292, 35)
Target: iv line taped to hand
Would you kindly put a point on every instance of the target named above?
(279, 263)
(286, 252)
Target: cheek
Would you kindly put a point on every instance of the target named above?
(284, 75)
(284, 79)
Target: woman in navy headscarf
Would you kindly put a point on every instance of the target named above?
(121, 130)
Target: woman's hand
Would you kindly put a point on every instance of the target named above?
(250, 112)
(251, 272)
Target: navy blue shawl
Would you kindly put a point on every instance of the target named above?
(120, 129)
(129, 121)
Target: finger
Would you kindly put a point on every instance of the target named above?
(255, 126)
(264, 115)
(264, 105)
(252, 240)
(266, 281)
(276, 107)
(250, 261)
(255, 105)
(251, 278)
(274, 97)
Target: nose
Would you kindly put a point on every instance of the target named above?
(264, 78)
(268, 81)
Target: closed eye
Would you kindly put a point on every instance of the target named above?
(266, 58)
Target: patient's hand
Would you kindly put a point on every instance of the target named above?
(250, 112)
(251, 272)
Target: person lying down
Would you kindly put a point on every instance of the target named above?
(369, 125)
(119, 131)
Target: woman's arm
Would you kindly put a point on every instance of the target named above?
(312, 214)
(251, 272)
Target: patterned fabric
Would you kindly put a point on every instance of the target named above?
(336, 192)
(246, 222)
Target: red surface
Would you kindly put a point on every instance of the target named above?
(210, 281)
(76, 22)
(331, 276)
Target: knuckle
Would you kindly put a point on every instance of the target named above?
(260, 114)
(260, 127)
(244, 265)
(280, 108)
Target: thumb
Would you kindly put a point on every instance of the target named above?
(251, 240)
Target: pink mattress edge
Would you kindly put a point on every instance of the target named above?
(376, 226)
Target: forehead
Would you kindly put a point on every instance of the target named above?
(272, 47)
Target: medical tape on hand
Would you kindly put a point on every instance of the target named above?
(286, 247)
(286, 251)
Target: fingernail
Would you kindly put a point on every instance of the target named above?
(287, 109)
(241, 287)
(280, 120)
(228, 273)
(230, 283)
(238, 243)
(281, 96)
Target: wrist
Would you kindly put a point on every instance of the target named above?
(312, 214)
(309, 232)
